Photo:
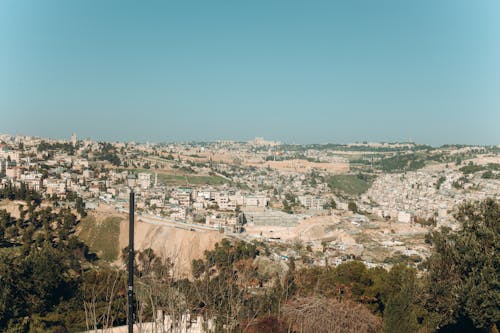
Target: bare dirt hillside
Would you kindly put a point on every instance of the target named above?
(12, 207)
(106, 232)
(182, 246)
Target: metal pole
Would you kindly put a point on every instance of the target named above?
(131, 263)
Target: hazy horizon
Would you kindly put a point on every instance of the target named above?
(293, 72)
(246, 140)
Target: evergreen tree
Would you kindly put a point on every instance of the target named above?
(399, 313)
(463, 287)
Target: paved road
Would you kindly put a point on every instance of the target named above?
(186, 226)
(172, 223)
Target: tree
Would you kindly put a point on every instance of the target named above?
(399, 296)
(333, 204)
(352, 207)
(11, 300)
(104, 297)
(463, 288)
(49, 283)
(39, 280)
(286, 207)
(80, 207)
(330, 204)
(488, 175)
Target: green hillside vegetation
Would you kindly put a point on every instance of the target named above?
(351, 184)
(400, 162)
(494, 166)
(102, 238)
(468, 169)
(473, 168)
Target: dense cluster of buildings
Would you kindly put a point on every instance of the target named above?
(225, 182)
(57, 167)
(432, 193)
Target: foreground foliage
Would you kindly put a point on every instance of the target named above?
(462, 287)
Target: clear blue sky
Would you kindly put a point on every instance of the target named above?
(296, 71)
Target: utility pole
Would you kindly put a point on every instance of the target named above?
(131, 263)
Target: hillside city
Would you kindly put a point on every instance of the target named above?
(249, 166)
(316, 204)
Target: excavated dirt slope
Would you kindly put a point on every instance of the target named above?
(182, 246)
